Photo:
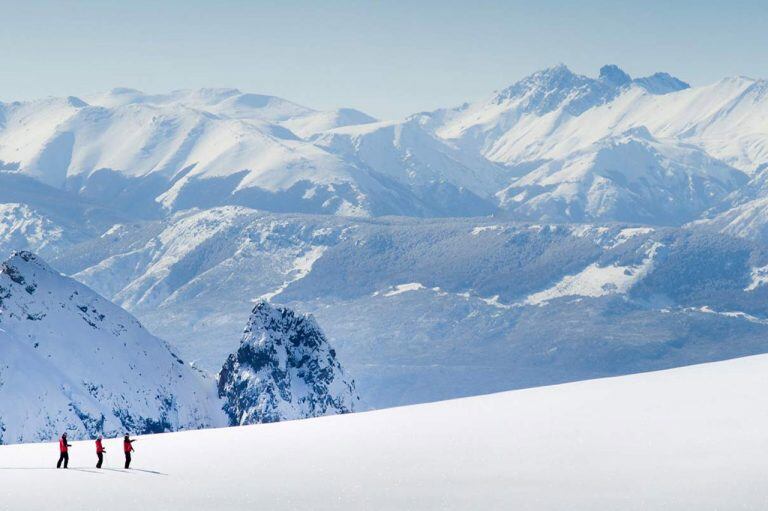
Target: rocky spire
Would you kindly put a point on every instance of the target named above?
(283, 369)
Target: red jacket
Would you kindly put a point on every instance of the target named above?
(127, 447)
(63, 445)
(99, 447)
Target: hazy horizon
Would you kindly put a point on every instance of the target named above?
(383, 58)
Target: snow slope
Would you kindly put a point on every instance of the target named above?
(71, 360)
(406, 153)
(555, 112)
(630, 177)
(688, 438)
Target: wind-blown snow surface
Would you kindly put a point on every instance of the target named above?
(688, 438)
(72, 361)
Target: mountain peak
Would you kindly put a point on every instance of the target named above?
(638, 132)
(614, 75)
(120, 91)
(557, 87)
(265, 316)
(23, 265)
(661, 83)
(559, 69)
(554, 76)
(76, 102)
(26, 256)
(283, 369)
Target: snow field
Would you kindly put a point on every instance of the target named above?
(687, 438)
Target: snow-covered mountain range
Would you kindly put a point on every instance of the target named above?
(555, 146)
(615, 224)
(148, 154)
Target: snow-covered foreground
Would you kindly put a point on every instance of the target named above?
(687, 438)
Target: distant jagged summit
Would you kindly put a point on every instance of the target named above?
(283, 369)
(546, 90)
(614, 75)
(559, 87)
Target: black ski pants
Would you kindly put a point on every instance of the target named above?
(65, 458)
(127, 460)
(101, 459)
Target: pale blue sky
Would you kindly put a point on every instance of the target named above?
(387, 58)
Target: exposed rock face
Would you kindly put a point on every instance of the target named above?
(284, 369)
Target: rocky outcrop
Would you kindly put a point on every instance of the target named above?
(284, 369)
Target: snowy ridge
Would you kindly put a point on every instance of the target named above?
(630, 177)
(164, 148)
(406, 153)
(554, 112)
(162, 153)
(72, 361)
(21, 226)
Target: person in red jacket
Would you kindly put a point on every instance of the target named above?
(127, 449)
(63, 451)
(99, 452)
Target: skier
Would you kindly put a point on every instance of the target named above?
(63, 451)
(127, 448)
(99, 451)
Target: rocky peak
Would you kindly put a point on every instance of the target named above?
(24, 259)
(614, 75)
(283, 369)
(557, 87)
